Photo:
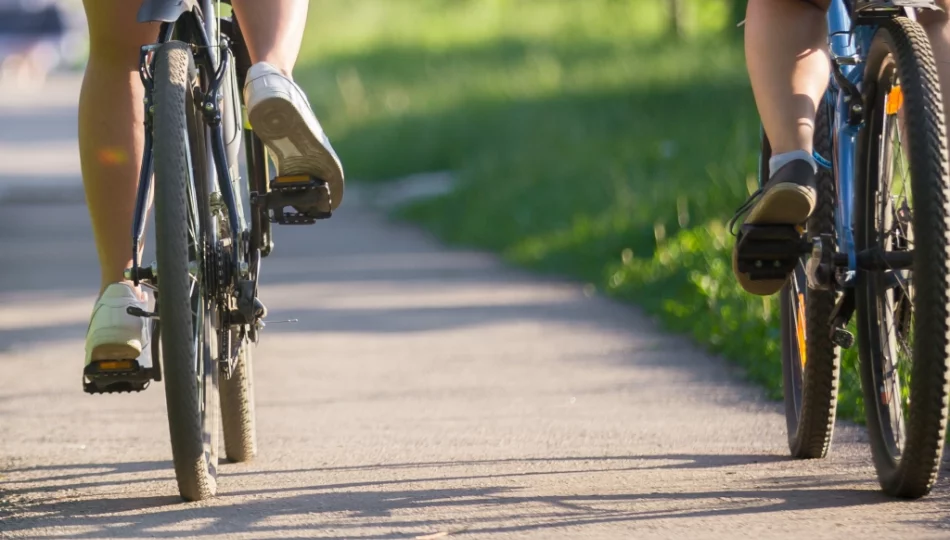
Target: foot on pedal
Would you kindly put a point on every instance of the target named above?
(765, 255)
(112, 376)
(282, 117)
(298, 200)
(769, 244)
(118, 343)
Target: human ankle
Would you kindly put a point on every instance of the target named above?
(778, 161)
(135, 289)
(287, 71)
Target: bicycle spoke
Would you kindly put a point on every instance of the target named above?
(895, 287)
(900, 214)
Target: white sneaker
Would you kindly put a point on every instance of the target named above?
(114, 334)
(281, 116)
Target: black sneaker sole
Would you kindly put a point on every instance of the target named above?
(783, 204)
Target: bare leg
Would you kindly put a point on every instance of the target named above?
(786, 55)
(787, 59)
(110, 128)
(273, 29)
(277, 107)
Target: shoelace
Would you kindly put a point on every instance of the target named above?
(746, 206)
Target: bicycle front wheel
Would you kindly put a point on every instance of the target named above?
(181, 243)
(902, 213)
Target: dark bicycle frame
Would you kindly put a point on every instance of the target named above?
(191, 21)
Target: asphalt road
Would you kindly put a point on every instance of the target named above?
(425, 392)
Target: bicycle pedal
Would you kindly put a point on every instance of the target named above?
(842, 338)
(116, 376)
(767, 252)
(298, 200)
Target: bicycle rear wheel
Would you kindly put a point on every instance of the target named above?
(237, 409)
(901, 206)
(810, 359)
(187, 313)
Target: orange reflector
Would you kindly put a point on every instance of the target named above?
(291, 179)
(116, 365)
(895, 100)
(800, 330)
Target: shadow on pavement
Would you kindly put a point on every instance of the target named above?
(394, 274)
(373, 505)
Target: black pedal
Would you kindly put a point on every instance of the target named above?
(769, 251)
(116, 376)
(307, 197)
(842, 338)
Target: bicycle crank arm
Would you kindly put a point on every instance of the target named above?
(821, 267)
(875, 259)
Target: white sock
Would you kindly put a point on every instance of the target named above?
(778, 161)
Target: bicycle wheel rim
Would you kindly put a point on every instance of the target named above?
(793, 329)
(890, 295)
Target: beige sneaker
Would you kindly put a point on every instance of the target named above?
(281, 116)
(113, 334)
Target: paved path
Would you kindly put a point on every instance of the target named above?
(424, 391)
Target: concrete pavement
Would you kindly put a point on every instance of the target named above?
(425, 393)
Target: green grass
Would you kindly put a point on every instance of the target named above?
(587, 144)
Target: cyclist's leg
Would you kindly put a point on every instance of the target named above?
(787, 59)
(110, 146)
(278, 109)
(110, 128)
(273, 30)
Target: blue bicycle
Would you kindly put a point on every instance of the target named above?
(876, 250)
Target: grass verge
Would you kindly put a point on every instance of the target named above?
(587, 144)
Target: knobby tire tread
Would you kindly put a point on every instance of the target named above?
(237, 410)
(173, 67)
(913, 476)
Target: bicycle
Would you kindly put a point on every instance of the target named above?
(858, 255)
(208, 257)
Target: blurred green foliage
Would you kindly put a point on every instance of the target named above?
(589, 141)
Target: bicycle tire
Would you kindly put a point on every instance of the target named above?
(181, 210)
(237, 409)
(810, 382)
(900, 47)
